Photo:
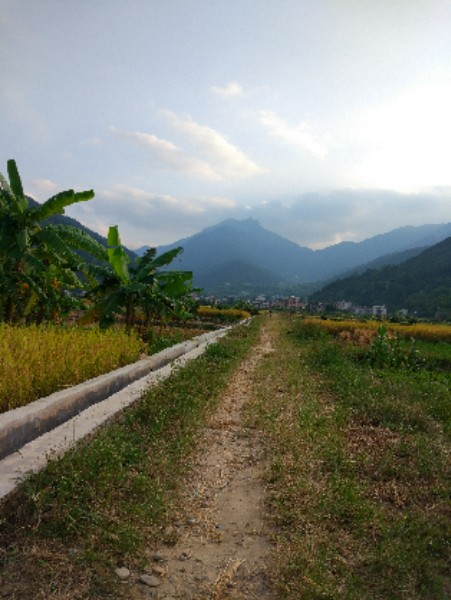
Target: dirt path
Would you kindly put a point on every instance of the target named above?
(222, 549)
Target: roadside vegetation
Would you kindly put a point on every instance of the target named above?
(223, 315)
(105, 502)
(71, 308)
(48, 270)
(357, 476)
(37, 360)
(359, 467)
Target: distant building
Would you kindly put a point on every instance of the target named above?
(379, 310)
(344, 305)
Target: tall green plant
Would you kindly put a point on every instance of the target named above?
(38, 260)
(142, 286)
(389, 350)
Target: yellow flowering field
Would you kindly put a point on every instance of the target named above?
(38, 360)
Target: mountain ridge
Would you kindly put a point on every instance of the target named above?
(284, 264)
(421, 284)
(236, 257)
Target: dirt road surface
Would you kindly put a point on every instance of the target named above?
(222, 548)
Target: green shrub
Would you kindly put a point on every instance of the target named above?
(389, 350)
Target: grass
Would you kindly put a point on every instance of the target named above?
(38, 360)
(222, 315)
(105, 502)
(358, 475)
(359, 470)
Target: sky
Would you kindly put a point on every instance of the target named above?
(325, 120)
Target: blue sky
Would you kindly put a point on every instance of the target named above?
(326, 120)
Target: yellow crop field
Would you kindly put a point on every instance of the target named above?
(38, 360)
(420, 331)
(222, 314)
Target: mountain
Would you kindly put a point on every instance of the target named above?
(65, 220)
(421, 284)
(394, 258)
(339, 259)
(234, 240)
(236, 256)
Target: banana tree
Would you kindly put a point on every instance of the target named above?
(38, 261)
(142, 286)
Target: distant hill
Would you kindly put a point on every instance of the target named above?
(341, 258)
(65, 220)
(421, 284)
(236, 256)
(395, 258)
(247, 241)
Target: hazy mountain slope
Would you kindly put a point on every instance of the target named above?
(237, 277)
(283, 264)
(421, 284)
(335, 260)
(243, 241)
(66, 220)
(394, 258)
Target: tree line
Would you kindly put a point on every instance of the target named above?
(48, 270)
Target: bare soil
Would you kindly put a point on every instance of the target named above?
(222, 547)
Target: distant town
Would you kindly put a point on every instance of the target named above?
(296, 304)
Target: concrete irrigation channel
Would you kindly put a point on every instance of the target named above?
(32, 434)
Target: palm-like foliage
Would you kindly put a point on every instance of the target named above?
(143, 286)
(38, 261)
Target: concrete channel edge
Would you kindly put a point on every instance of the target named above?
(29, 435)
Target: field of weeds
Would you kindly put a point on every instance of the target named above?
(359, 472)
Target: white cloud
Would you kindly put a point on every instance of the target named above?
(170, 155)
(227, 160)
(94, 141)
(233, 88)
(218, 201)
(147, 218)
(41, 189)
(213, 157)
(299, 136)
(139, 201)
(321, 219)
(314, 220)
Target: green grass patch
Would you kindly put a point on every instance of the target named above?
(359, 470)
(104, 502)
